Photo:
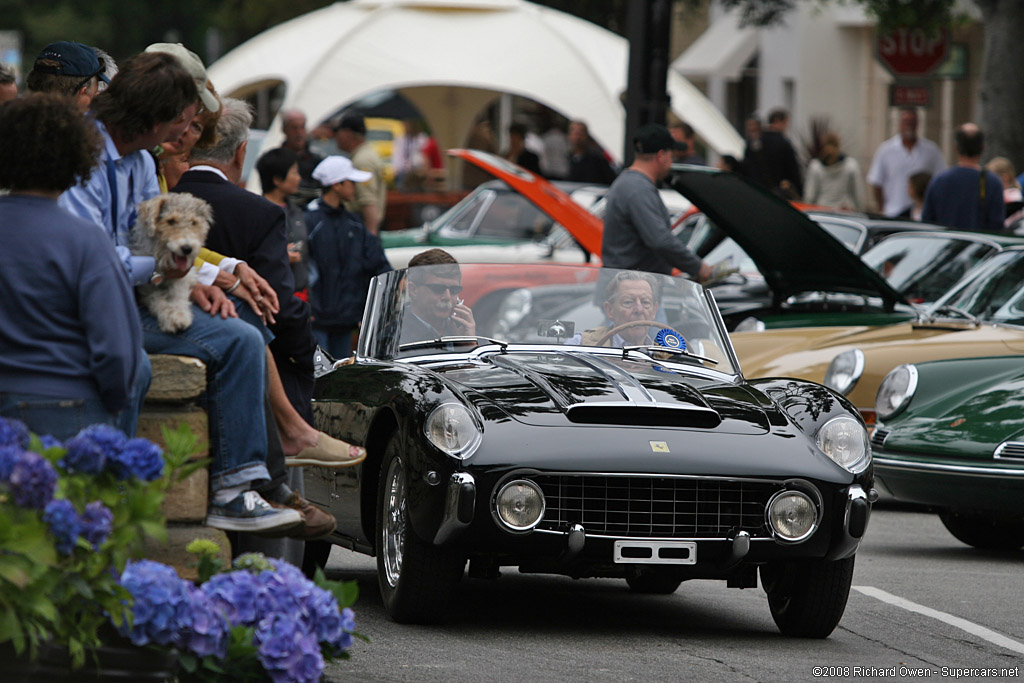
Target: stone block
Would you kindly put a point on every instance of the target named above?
(173, 552)
(186, 501)
(176, 378)
(153, 418)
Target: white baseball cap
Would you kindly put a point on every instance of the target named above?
(338, 168)
(190, 60)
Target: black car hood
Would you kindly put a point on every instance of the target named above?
(793, 252)
(555, 389)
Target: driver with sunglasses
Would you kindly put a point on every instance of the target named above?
(435, 309)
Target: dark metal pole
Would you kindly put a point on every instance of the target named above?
(648, 28)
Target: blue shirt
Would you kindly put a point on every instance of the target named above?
(134, 181)
(69, 327)
(959, 198)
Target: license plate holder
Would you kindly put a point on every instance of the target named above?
(655, 552)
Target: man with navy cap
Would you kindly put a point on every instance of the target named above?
(67, 68)
(371, 196)
(637, 231)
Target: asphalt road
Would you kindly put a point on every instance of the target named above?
(921, 601)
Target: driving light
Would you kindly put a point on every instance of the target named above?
(844, 440)
(844, 371)
(895, 392)
(792, 515)
(519, 505)
(452, 428)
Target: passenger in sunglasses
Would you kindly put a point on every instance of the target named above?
(435, 308)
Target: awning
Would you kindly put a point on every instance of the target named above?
(722, 50)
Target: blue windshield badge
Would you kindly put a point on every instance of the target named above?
(670, 339)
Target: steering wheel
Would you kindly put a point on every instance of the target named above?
(635, 323)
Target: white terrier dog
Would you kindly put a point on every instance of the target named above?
(172, 228)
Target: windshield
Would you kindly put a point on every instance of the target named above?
(494, 210)
(923, 267)
(559, 306)
(994, 292)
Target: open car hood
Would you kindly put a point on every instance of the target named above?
(794, 253)
(583, 225)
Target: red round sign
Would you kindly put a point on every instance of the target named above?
(909, 51)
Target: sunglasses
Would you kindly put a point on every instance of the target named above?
(440, 289)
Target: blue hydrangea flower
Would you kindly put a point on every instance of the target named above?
(162, 608)
(13, 433)
(209, 632)
(8, 456)
(288, 651)
(240, 595)
(32, 480)
(49, 442)
(83, 455)
(288, 589)
(140, 458)
(61, 517)
(96, 523)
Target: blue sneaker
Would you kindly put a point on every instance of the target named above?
(250, 512)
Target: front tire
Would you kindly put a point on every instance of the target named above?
(984, 532)
(416, 578)
(807, 599)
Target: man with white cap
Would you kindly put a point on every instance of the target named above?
(345, 254)
(190, 60)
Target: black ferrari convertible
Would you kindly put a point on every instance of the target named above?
(622, 442)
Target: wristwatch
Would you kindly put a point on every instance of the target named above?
(156, 278)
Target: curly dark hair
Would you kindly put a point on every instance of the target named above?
(151, 88)
(45, 144)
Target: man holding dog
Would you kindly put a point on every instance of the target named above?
(152, 99)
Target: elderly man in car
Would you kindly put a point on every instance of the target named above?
(631, 298)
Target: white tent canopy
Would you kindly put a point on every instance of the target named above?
(451, 58)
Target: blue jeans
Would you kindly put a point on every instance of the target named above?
(336, 341)
(236, 380)
(61, 418)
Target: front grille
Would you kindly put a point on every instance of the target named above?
(652, 506)
(878, 438)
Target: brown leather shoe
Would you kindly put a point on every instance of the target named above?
(316, 523)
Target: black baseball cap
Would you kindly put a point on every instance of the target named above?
(353, 121)
(653, 138)
(65, 58)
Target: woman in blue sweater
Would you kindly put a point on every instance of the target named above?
(69, 331)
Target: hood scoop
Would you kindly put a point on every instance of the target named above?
(615, 397)
(650, 415)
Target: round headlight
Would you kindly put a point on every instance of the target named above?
(452, 428)
(845, 441)
(844, 371)
(792, 515)
(895, 392)
(520, 505)
(516, 306)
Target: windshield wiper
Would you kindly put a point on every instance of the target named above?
(666, 349)
(450, 340)
(955, 311)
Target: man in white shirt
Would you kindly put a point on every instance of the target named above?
(897, 159)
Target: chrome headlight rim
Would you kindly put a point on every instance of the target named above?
(862, 462)
(465, 450)
(846, 386)
(815, 504)
(505, 524)
(908, 394)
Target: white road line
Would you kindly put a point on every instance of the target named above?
(969, 626)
